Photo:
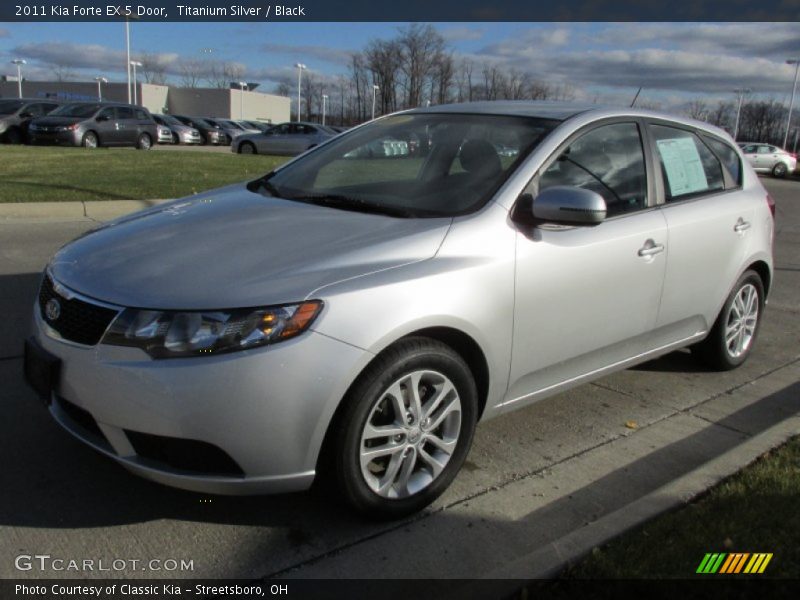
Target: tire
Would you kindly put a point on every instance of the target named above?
(13, 136)
(145, 142)
(779, 170)
(414, 471)
(175, 139)
(247, 148)
(732, 338)
(90, 140)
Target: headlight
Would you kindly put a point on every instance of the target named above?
(172, 334)
(68, 127)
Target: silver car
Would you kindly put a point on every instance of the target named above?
(285, 139)
(349, 319)
(766, 158)
(179, 132)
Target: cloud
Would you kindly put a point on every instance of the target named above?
(82, 56)
(461, 34)
(320, 53)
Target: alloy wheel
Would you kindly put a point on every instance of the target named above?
(740, 324)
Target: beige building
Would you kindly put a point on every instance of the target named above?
(208, 102)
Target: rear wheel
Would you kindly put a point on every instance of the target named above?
(247, 148)
(734, 333)
(406, 429)
(779, 170)
(90, 140)
(144, 142)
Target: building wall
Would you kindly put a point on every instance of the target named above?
(209, 102)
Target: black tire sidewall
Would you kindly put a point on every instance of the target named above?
(780, 170)
(717, 349)
(140, 142)
(409, 355)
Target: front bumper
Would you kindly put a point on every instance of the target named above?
(189, 138)
(58, 138)
(267, 409)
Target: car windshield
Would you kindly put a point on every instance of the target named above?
(9, 107)
(76, 110)
(170, 120)
(411, 165)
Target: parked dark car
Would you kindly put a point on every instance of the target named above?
(210, 133)
(16, 115)
(95, 124)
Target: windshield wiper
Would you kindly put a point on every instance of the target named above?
(351, 203)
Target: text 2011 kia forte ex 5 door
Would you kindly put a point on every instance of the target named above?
(352, 315)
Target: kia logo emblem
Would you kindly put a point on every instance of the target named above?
(52, 309)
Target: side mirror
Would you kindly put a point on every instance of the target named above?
(567, 205)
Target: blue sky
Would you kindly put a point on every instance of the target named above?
(606, 62)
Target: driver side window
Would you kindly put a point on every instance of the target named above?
(608, 160)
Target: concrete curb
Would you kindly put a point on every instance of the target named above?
(548, 561)
(100, 210)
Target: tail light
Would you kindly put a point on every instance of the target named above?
(771, 204)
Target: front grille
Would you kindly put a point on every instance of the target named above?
(184, 455)
(80, 322)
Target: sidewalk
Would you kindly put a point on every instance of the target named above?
(99, 210)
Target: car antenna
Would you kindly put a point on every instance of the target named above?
(639, 91)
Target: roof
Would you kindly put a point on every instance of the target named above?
(522, 108)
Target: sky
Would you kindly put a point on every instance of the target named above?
(605, 62)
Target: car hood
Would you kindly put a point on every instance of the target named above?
(234, 248)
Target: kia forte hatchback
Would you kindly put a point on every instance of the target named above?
(351, 316)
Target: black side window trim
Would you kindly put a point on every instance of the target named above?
(730, 182)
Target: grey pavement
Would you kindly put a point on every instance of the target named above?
(541, 487)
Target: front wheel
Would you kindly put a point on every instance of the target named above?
(406, 429)
(144, 142)
(247, 148)
(734, 333)
(90, 140)
(779, 170)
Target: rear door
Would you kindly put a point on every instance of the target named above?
(709, 218)
(128, 126)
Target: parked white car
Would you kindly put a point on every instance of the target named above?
(766, 158)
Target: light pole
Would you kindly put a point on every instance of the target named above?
(19, 62)
(300, 68)
(375, 89)
(99, 81)
(134, 64)
(324, 103)
(796, 63)
(128, 52)
(740, 92)
(242, 89)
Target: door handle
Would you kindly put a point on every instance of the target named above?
(650, 248)
(741, 225)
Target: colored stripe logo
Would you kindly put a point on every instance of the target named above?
(734, 563)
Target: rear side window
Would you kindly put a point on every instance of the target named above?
(141, 115)
(728, 156)
(123, 112)
(688, 167)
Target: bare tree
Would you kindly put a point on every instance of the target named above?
(697, 109)
(62, 72)
(220, 74)
(192, 71)
(421, 47)
(153, 69)
(383, 59)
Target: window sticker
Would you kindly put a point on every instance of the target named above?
(682, 163)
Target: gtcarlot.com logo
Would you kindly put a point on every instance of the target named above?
(734, 563)
(46, 562)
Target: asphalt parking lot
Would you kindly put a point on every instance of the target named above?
(533, 478)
